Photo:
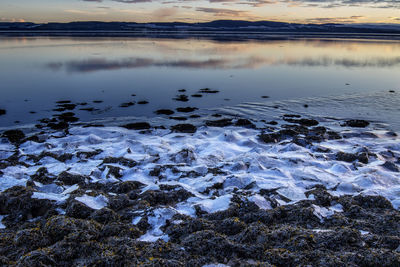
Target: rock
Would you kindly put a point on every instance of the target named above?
(78, 210)
(127, 104)
(3, 112)
(143, 102)
(164, 112)
(58, 126)
(245, 123)
(184, 128)
(137, 126)
(71, 179)
(186, 109)
(220, 123)
(347, 157)
(123, 161)
(97, 101)
(58, 227)
(391, 166)
(305, 122)
(104, 216)
(197, 95)
(182, 98)
(356, 123)
(37, 258)
(14, 136)
(208, 91)
(264, 96)
(270, 137)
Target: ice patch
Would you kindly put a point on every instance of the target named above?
(96, 203)
(260, 202)
(157, 220)
(217, 204)
(322, 212)
(2, 226)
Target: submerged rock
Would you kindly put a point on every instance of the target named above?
(137, 126)
(220, 123)
(164, 112)
(184, 128)
(14, 136)
(356, 123)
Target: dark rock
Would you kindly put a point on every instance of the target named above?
(58, 126)
(305, 122)
(137, 126)
(186, 109)
(88, 109)
(42, 176)
(97, 101)
(347, 157)
(272, 123)
(270, 137)
(391, 166)
(63, 102)
(356, 123)
(195, 116)
(17, 203)
(127, 104)
(197, 95)
(164, 112)
(67, 106)
(245, 123)
(126, 187)
(58, 227)
(182, 90)
(123, 161)
(143, 102)
(104, 215)
(220, 123)
(71, 179)
(78, 210)
(182, 98)
(208, 91)
(37, 258)
(264, 96)
(14, 136)
(184, 128)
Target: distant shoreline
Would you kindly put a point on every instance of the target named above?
(215, 34)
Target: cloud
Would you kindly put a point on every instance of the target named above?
(306, 3)
(221, 12)
(351, 19)
(165, 12)
(11, 20)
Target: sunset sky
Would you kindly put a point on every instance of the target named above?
(312, 11)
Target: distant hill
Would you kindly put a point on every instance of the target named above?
(217, 25)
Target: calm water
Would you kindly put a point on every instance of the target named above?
(345, 78)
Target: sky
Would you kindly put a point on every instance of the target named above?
(300, 11)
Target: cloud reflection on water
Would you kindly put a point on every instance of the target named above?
(102, 64)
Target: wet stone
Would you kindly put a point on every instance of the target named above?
(181, 98)
(245, 123)
(137, 126)
(391, 166)
(184, 128)
(164, 112)
(14, 136)
(186, 109)
(220, 123)
(356, 123)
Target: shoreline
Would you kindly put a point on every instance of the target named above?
(228, 191)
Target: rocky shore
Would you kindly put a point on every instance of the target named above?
(227, 192)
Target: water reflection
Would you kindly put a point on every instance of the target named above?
(100, 64)
(36, 72)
